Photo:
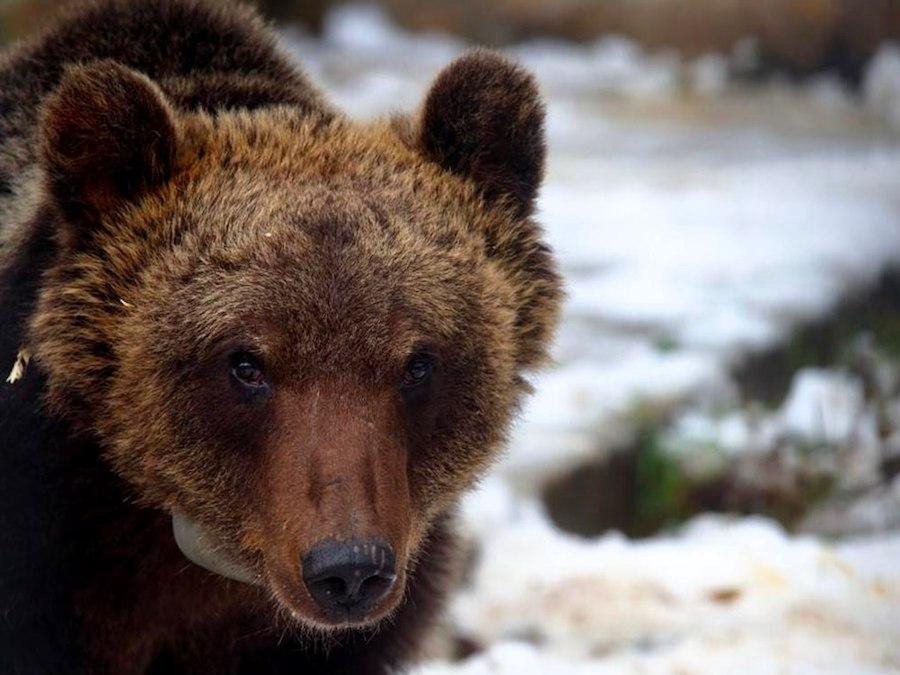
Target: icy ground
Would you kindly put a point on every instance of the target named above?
(695, 220)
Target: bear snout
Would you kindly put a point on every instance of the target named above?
(348, 579)
(338, 521)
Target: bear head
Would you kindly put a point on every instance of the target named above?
(301, 336)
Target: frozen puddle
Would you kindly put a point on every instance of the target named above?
(694, 222)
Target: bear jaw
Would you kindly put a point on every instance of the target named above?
(201, 549)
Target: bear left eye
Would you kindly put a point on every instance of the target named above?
(246, 369)
(417, 372)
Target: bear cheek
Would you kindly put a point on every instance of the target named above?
(187, 435)
(475, 406)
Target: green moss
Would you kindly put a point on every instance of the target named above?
(661, 487)
(886, 330)
(666, 344)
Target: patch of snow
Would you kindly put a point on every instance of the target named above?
(875, 511)
(830, 93)
(720, 438)
(610, 65)
(881, 86)
(707, 597)
(796, 652)
(708, 75)
(581, 409)
(823, 406)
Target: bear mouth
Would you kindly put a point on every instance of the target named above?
(202, 549)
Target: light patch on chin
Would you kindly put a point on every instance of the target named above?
(201, 549)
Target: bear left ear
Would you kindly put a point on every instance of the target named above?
(483, 118)
(107, 133)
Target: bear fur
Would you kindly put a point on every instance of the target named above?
(173, 192)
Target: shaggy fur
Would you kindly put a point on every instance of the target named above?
(173, 192)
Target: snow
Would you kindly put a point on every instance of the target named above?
(823, 406)
(840, 654)
(720, 594)
(695, 219)
(828, 432)
(709, 75)
(882, 84)
(577, 407)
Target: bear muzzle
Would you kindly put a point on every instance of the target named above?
(347, 580)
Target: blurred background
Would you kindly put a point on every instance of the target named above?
(707, 478)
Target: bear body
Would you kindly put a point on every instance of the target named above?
(231, 308)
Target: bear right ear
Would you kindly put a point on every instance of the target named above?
(107, 134)
(483, 118)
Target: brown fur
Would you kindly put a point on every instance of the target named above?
(199, 209)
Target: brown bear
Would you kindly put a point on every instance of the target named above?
(257, 350)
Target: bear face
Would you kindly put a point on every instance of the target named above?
(293, 332)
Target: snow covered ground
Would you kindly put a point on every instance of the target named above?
(695, 220)
(722, 596)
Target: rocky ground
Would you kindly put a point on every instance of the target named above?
(706, 479)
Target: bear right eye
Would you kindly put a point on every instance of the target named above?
(247, 372)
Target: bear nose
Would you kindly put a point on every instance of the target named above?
(347, 578)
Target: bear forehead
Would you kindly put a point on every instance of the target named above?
(302, 296)
(285, 145)
(275, 172)
(303, 289)
(288, 233)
